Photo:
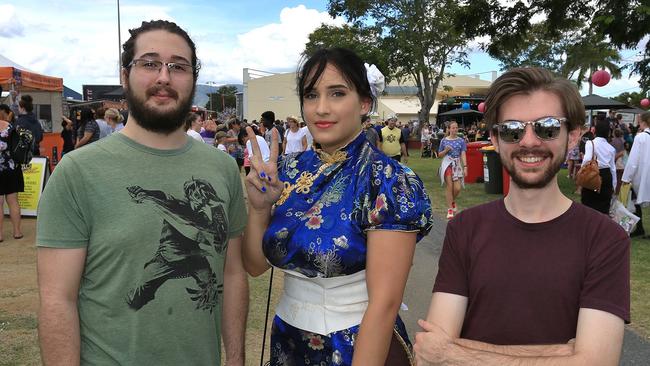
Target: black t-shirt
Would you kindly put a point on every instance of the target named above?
(29, 121)
(526, 282)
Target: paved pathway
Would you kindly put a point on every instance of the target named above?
(636, 350)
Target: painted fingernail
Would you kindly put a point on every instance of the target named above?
(269, 178)
(263, 175)
(263, 189)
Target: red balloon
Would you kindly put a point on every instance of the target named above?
(600, 78)
(645, 102)
(481, 107)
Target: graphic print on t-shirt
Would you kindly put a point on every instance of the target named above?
(189, 227)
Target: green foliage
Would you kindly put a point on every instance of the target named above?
(416, 40)
(634, 98)
(223, 99)
(588, 55)
(366, 42)
(514, 29)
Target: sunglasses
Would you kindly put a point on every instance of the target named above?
(546, 128)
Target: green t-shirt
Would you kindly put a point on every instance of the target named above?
(155, 224)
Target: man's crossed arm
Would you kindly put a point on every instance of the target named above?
(599, 340)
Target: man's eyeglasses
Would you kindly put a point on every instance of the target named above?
(546, 128)
(177, 68)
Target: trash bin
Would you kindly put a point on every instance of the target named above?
(492, 171)
(474, 161)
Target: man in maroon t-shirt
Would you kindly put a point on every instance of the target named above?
(533, 278)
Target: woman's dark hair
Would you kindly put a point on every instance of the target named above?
(5, 108)
(191, 118)
(171, 27)
(602, 128)
(618, 133)
(240, 136)
(347, 62)
(85, 115)
(26, 102)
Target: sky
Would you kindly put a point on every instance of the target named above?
(78, 40)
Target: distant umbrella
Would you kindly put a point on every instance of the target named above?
(593, 101)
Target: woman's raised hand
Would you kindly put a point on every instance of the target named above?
(262, 183)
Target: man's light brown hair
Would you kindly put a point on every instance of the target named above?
(526, 80)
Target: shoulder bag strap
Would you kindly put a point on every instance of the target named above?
(593, 153)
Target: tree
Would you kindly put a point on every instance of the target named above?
(589, 55)
(622, 23)
(632, 99)
(222, 99)
(366, 42)
(417, 39)
(536, 49)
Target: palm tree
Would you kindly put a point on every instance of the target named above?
(587, 56)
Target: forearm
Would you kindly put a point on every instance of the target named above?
(58, 333)
(252, 254)
(82, 141)
(233, 318)
(546, 350)
(458, 355)
(375, 333)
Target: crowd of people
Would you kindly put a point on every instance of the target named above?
(621, 151)
(145, 240)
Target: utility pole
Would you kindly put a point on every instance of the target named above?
(119, 44)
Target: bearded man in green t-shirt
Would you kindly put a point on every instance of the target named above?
(139, 234)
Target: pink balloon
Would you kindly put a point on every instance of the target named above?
(645, 102)
(600, 78)
(481, 107)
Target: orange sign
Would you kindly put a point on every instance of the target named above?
(30, 80)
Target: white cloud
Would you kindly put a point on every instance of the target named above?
(272, 47)
(80, 44)
(10, 25)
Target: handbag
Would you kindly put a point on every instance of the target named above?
(589, 175)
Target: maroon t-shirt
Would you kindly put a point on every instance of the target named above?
(526, 282)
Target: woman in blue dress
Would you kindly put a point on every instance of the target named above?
(341, 221)
(453, 168)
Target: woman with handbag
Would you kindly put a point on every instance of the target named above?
(603, 153)
(11, 174)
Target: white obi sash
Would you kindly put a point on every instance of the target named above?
(323, 305)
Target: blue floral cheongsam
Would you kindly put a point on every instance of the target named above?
(318, 229)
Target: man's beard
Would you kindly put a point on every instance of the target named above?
(156, 121)
(547, 177)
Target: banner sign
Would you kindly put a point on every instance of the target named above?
(35, 176)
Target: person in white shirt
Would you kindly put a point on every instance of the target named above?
(637, 171)
(605, 154)
(193, 125)
(295, 139)
(114, 120)
(220, 140)
(104, 128)
(264, 148)
(308, 136)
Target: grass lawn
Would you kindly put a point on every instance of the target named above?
(474, 194)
